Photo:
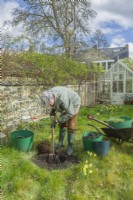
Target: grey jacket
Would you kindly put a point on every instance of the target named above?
(67, 102)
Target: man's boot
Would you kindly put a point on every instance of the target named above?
(62, 133)
(70, 143)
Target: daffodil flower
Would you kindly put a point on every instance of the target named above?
(86, 166)
(91, 153)
(84, 171)
(90, 165)
(90, 171)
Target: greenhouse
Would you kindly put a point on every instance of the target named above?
(117, 83)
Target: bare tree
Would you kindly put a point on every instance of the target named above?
(99, 40)
(19, 43)
(60, 21)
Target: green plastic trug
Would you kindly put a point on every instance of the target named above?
(22, 140)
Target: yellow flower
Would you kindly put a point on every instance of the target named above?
(84, 171)
(86, 162)
(90, 153)
(97, 113)
(86, 166)
(90, 171)
(85, 174)
(90, 165)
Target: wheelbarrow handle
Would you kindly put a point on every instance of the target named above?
(93, 118)
(94, 127)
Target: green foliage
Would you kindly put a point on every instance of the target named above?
(48, 69)
(129, 62)
(116, 119)
(110, 109)
(94, 68)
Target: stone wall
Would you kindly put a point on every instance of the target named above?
(22, 103)
(18, 104)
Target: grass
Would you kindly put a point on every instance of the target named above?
(107, 178)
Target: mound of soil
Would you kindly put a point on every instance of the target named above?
(44, 147)
(46, 159)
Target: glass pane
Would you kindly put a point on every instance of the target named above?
(115, 86)
(107, 87)
(121, 68)
(120, 86)
(115, 77)
(121, 76)
(129, 86)
(115, 68)
(128, 74)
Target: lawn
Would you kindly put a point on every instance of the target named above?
(107, 178)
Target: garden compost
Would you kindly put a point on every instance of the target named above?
(60, 160)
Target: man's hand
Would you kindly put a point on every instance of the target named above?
(53, 124)
(52, 113)
(63, 125)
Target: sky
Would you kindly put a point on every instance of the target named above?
(114, 18)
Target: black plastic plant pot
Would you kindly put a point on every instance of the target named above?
(101, 148)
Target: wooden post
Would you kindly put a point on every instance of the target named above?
(86, 96)
(94, 90)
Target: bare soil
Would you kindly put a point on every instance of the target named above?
(60, 160)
